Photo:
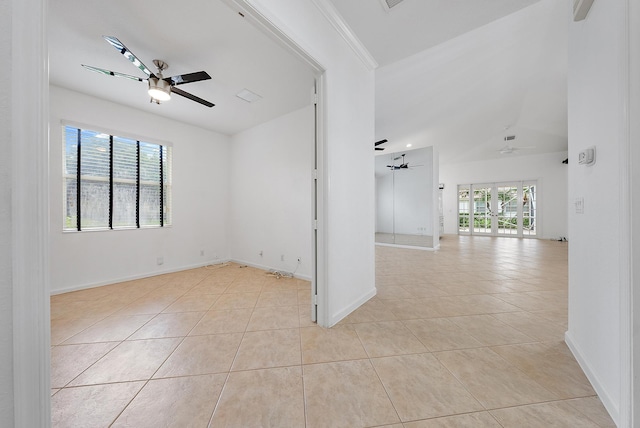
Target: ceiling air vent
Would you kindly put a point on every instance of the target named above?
(390, 4)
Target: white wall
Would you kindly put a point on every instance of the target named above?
(6, 300)
(271, 193)
(548, 169)
(200, 197)
(597, 62)
(348, 130)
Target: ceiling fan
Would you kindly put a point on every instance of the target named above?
(377, 143)
(509, 149)
(160, 87)
(403, 165)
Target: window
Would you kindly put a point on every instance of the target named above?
(113, 182)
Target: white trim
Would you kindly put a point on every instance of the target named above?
(624, 248)
(139, 276)
(335, 318)
(335, 19)
(275, 29)
(409, 247)
(269, 268)
(30, 214)
(607, 401)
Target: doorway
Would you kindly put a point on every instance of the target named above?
(499, 209)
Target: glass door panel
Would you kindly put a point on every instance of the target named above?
(464, 209)
(482, 213)
(529, 209)
(507, 210)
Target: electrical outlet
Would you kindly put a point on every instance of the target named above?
(160, 260)
(202, 252)
(260, 253)
(299, 259)
(281, 257)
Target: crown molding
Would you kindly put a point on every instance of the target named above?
(335, 19)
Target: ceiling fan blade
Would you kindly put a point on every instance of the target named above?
(113, 73)
(192, 97)
(378, 148)
(113, 41)
(188, 78)
(377, 143)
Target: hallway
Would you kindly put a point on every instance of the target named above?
(471, 335)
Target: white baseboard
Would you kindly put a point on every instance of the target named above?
(263, 267)
(337, 317)
(612, 407)
(134, 277)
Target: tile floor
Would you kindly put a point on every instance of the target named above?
(468, 336)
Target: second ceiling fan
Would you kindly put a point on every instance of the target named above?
(160, 87)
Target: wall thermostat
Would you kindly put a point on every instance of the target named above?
(587, 156)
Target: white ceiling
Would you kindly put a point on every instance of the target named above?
(190, 36)
(455, 73)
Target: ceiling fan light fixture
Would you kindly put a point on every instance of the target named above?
(159, 89)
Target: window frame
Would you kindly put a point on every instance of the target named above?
(165, 182)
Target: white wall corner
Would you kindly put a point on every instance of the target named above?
(605, 398)
(335, 19)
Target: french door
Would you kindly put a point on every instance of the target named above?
(498, 209)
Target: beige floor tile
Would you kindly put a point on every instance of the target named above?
(277, 298)
(552, 365)
(394, 292)
(420, 387)
(304, 296)
(339, 343)
(69, 361)
(371, 311)
(388, 338)
(346, 394)
(148, 305)
(268, 348)
(176, 402)
(111, 329)
(91, 406)
(592, 408)
(555, 414)
(305, 316)
(274, 318)
(470, 420)
(200, 355)
(441, 334)
(533, 325)
(489, 331)
(129, 361)
(215, 322)
(64, 328)
(235, 301)
(491, 379)
(209, 288)
(168, 325)
(193, 303)
(262, 398)
(558, 316)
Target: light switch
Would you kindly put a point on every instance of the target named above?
(579, 204)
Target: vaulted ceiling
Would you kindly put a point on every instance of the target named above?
(461, 75)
